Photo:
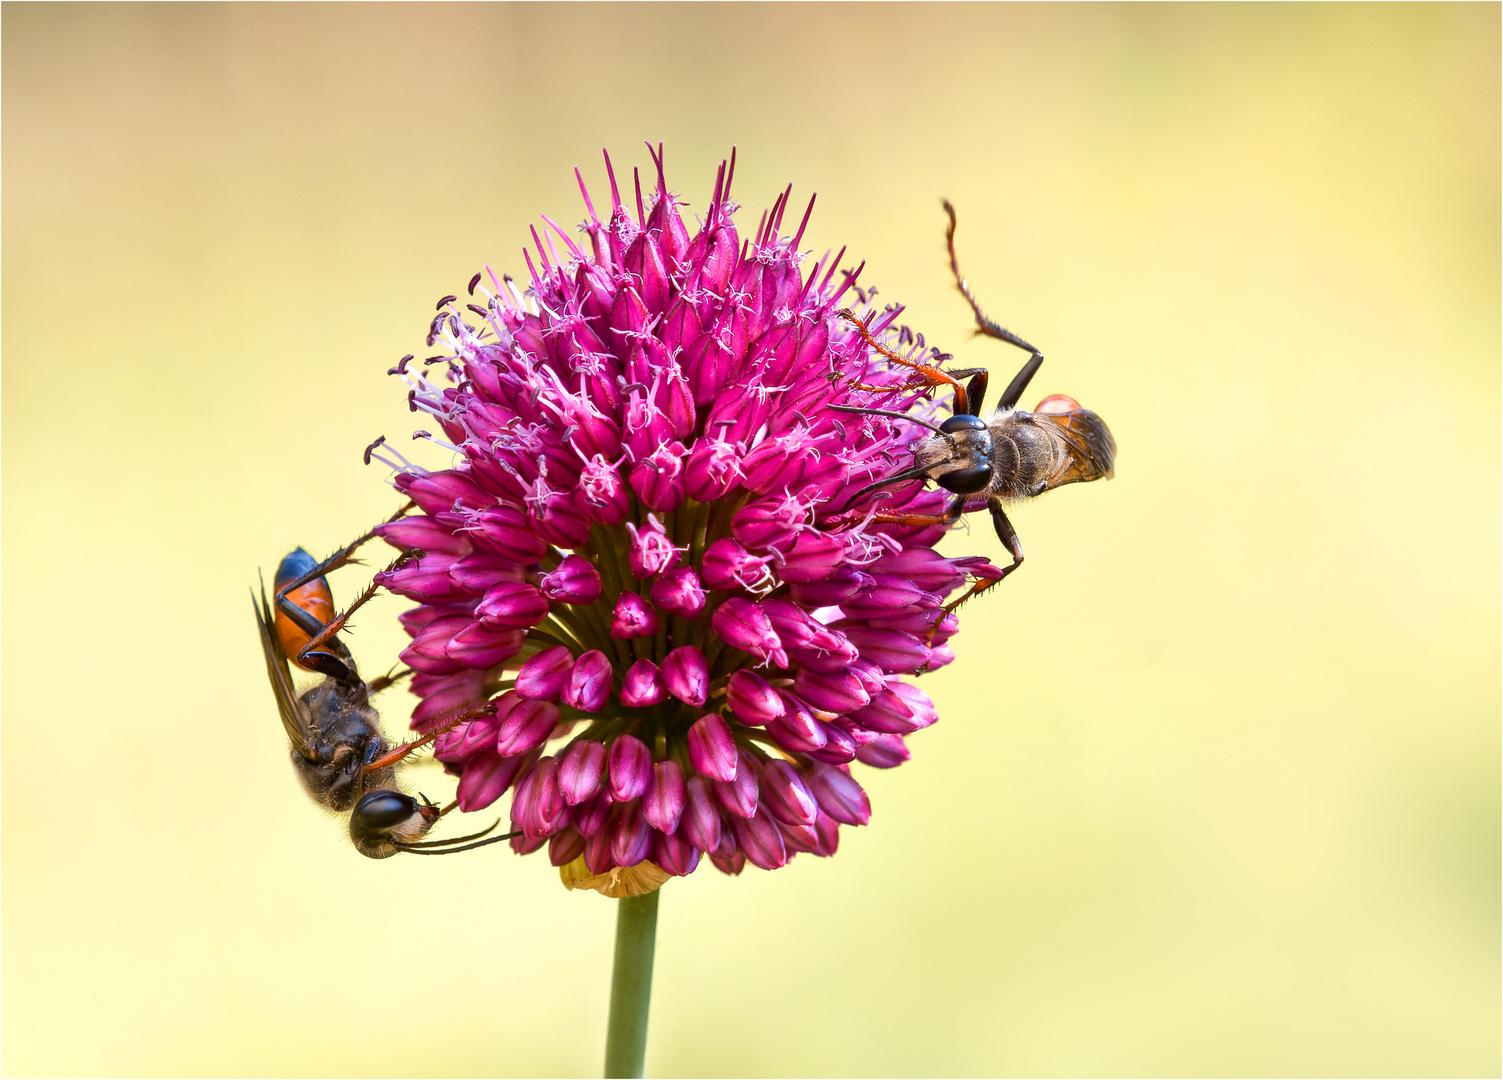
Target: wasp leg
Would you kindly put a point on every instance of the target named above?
(950, 516)
(397, 753)
(989, 327)
(336, 624)
(1009, 537)
(929, 375)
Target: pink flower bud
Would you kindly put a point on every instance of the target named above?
(727, 565)
(798, 728)
(678, 592)
(631, 768)
(437, 492)
(542, 677)
(525, 725)
(590, 817)
(426, 579)
(739, 796)
(839, 795)
(923, 709)
(664, 802)
(926, 568)
(887, 713)
(512, 605)
(712, 469)
(760, 839)
(537, 807)
(658, 480)
(580, 768)
(891, 650)
(741, 624)
(887, 595)
(503, 530)
(687, 675)
(574, 581)
(675, 854)
(643, 685)
(751, 699)
(700, 822)
(486, 776)
(838, 587)
(479, 646)
(633, 617)
(422, 532)
(883, 752)
(712, 749)
(651, 552)
(565, 847)
(589, 685)
(785, 794)
(813, 557)
(839, 692)
(631, 836)
(839, 747)
(765, 525)
(480, 570)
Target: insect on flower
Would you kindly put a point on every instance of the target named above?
(1011, 454)
(338, 750)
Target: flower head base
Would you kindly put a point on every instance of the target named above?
(641, 554)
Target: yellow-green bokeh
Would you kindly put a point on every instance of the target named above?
(1216, 785)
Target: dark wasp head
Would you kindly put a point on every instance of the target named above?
(968, 444)
(384, 820)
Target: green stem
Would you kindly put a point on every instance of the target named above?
(631, 985)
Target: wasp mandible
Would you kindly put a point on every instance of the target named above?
(1011, 454)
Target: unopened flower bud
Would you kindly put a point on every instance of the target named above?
(573, 581)
(678, 592)
(712, 748)
(512, 605)
(643, 685)
(663, 803)
(542, 677)
(687, 675)
(633, 617)
(580, 769)
(751, 699)
(589, 685)
(700, 821)
(630, 768)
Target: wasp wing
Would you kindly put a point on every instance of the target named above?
(295, 719)
(1090, 448)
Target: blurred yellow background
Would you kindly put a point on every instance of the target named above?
(1216, 785)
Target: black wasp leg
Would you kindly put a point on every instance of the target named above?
(975, 390)
(1009, 537)
(989, 327)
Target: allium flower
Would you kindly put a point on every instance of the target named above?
(642, 554)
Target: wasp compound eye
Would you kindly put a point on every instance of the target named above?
(966, 481)
(962, 422)
(385, 809)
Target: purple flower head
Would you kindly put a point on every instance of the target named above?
(644, 555)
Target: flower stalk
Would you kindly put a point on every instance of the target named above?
(631, 985)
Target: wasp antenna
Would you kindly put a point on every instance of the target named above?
(453, 839)
(412, 849)
(890, 414)
(907, 474)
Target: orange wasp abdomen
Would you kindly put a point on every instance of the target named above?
(314, 598)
